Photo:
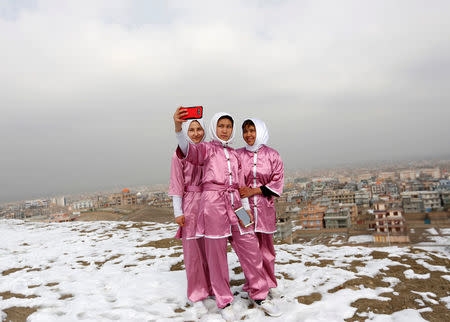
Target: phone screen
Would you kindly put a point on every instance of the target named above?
(243, 215)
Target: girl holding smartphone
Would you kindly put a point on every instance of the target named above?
(264, 177)
(185, 189)
(222, 177)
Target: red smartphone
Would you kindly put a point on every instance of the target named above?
(194, 112)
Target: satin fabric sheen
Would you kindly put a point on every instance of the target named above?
(217, 221)
(268, 255)
(185, 176)
(185, 179)
(216, 217)
(246, 248)
(269, 173)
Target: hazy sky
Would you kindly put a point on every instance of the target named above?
(88, 88)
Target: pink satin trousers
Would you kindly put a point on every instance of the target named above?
(247, 249)
(197, 273)
(268, 256)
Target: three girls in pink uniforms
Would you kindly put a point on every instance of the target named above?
(264, 178)
(185, 189)
(222, 177)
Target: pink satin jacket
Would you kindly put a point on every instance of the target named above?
(222, 177)
(185, 181)
(263, 168)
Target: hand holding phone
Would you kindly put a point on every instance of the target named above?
(244, 217)
(193, 112)
(178, 118)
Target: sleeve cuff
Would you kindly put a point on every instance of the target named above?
(267, 192)
(245, 203)
(177, 206)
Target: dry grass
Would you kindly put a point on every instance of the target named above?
(13, 270)
(309, 299)
(19, 314)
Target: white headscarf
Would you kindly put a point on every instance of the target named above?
(213, 128)
(185, 129)
(262, 135)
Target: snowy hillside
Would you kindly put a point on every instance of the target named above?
(101, 271)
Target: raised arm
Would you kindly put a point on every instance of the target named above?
(193, 153)
(178, 122)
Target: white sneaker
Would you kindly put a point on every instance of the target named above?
(269, 307)
(200, 308)
(228, 314)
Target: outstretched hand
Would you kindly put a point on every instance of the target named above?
(177, 118)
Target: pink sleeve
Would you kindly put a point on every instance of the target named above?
(196, 153)
(176, 187)
(277, 179)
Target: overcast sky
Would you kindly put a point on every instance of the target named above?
(88, 88)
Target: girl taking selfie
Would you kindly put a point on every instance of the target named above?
(217, 221)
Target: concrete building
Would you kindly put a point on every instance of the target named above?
(123, 198)
(362, 198)
(342, 196)
(284, 225)
(377, 188)
(337, 217)
(390, 225)
(407, 175)
(445, 196)
(444, 184)
(61, 201)
(83, 204)
(353, 212)
(420, 201)
(391, 188)
(431, 200)
(323, 201)
(311, 216)
(412, 202)
(387, 176)
(364, 176)
(434, 173)
(38, 203)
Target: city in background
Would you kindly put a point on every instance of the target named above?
(390, 203)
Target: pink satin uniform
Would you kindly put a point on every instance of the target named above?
(222, 176)
(264, 168)
(185, 180)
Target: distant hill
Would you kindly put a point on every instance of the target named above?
(131, 213)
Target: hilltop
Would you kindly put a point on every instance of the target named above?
(134, 271)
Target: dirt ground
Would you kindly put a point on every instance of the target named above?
(137, 213)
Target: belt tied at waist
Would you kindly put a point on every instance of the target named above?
(193, 189)
(225, 192)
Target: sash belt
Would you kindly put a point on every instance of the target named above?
(225, 191)
(193, 189)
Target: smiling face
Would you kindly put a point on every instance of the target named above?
(196, 132)
(224, 129)
(249, 134)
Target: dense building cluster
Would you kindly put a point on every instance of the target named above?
(376, 201)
